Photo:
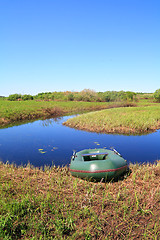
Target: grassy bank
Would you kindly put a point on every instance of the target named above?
(22, 110)
(51, 204)
(13, 111)
(119, 120)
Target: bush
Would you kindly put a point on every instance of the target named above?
(14, 97)
(27, 97)
(70, 97)
(157, 95)
(88, 95)
(44, 96)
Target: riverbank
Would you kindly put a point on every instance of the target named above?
(14, 111)
(132, 120)
(51, 204)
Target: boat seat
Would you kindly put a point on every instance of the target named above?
(94, 156)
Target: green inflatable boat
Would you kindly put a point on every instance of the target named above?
(97, 164)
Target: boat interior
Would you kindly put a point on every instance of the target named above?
(94, 156)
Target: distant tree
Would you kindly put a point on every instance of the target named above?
(70, 97)
(130, 95)
(52, 96)
(88, 95)
(77, 96)
(39, 96)
(107, 97)
(122, 96)
(157, 95)
(14, 97)
(60, 96)
(27, 97)
(110, 96)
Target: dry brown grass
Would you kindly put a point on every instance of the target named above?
(59, 206)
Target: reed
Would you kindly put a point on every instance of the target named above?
(51, 204)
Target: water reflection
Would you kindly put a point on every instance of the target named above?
(47, 142)
(51, 121)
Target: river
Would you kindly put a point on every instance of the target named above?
(49, 142)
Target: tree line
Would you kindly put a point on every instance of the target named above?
(86, 95)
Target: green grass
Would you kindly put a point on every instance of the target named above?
(130, 120)
(51, 204)
(144, 118)
(146, 102)
(13, 111)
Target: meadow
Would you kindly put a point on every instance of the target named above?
(131, 120)
(14, 111)
(51, 204)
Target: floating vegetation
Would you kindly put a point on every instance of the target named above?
(54, 148)
(41, 150)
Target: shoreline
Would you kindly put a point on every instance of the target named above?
(125, 119)
(50, 203)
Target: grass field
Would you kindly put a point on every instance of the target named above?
(51, 204)
(13, 111)
(131, 120)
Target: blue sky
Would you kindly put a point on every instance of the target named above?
(60, 45)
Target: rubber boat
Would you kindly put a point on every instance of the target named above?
(98, 164)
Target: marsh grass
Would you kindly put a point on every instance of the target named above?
(18, 111)
(27, 110)
(130, 120)
(51, 204)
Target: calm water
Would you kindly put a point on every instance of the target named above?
(47, 142)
